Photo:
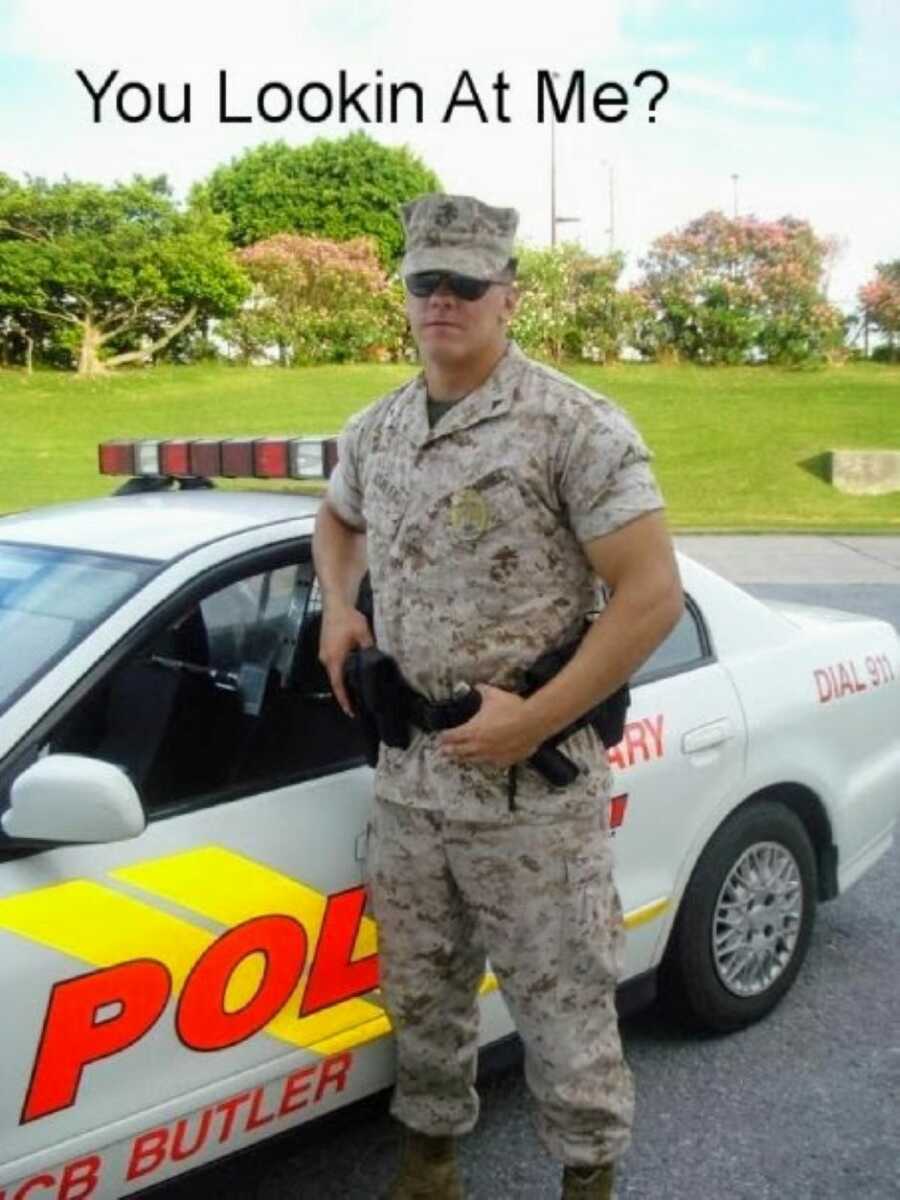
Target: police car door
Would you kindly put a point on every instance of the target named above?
(681, 756)
(210, 982)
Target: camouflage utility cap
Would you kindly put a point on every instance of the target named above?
(457, 233)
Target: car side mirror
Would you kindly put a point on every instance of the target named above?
(70, 798)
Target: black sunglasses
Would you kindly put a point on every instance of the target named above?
(466, 287)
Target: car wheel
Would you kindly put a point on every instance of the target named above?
(745, 920)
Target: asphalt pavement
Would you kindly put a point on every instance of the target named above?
(804, 1105)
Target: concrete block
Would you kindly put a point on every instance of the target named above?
(865, 472)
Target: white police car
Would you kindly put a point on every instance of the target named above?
(187, 965)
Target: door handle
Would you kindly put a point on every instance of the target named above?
(707, 737)
(361, 845)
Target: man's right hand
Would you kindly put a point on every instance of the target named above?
(343, 629)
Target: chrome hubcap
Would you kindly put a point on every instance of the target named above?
(756, 919)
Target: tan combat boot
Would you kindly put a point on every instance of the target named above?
(428, 1169)
(587, 1183)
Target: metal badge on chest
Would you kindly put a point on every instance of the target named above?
(469, 514)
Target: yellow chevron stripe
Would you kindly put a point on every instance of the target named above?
(380, 1027)
(351, 1039)
(103, 927)
(229, 888)
(646, 913)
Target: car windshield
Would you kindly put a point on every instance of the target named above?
(49, 600)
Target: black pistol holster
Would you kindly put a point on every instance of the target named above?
(386, 705)
(377, 695)
(607, 717)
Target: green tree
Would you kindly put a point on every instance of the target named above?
(114, 273)
(338, 190)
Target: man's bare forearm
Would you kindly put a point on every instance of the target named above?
(339, 552)
(638, 617)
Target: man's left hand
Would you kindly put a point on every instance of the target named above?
(498, 734)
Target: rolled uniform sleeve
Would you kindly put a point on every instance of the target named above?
(344, 492)
(605, 479)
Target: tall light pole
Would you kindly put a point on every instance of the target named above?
(611, 230)
(734, 183)
(554, 219)
(553, 75)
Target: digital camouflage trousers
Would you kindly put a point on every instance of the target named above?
(538, 900)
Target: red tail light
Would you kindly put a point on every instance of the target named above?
(270, 458)
(175, 457)
(617, 805)
(117, 457)
(206, 457)
(237, 457)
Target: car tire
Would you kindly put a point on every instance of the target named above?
(745, 921)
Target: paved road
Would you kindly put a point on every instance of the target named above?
(802, 1106)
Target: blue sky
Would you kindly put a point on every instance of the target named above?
(799, 98)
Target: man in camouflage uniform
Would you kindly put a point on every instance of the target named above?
(489, 495)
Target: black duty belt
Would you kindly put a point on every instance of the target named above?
(386, 706)
(436, 715)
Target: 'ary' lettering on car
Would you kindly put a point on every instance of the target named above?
(641, 742)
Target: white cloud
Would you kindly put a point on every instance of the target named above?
(875, 48)
(318, 35)
(169, 36)
(759, 56)
(658, 51)
(712, 89)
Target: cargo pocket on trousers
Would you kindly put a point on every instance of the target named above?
(591, 944)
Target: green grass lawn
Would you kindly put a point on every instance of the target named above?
(736, 448)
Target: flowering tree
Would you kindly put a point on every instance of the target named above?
(318, 301)
(880, 299)
(569, 306)
(725, 291)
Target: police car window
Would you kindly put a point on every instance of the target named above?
(685, 647)
(49, 600)
(238, 614)
(228, 698)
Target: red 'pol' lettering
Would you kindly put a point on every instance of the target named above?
(78, 1030)
(335, 975)
(75, 1032)
(203, 1022)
